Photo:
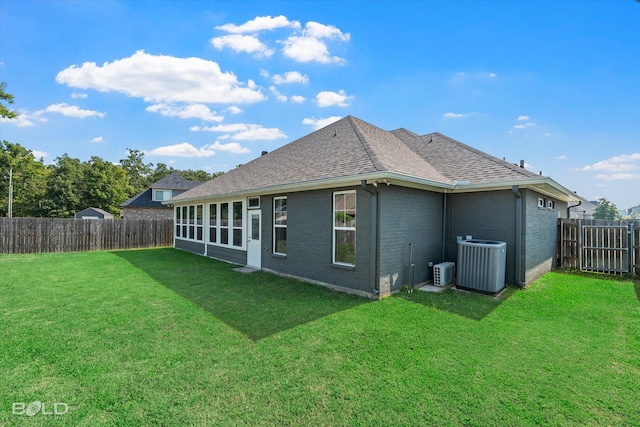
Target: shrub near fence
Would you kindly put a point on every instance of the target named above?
(33, 235)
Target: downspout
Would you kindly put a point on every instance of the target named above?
(374, 238)
(444, 225)
(518, 257)
(570, 207)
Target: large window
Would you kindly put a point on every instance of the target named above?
(344, 228)
(226, 224)
(189, 222)
(280, 225)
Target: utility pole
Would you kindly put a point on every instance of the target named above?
(10, 192)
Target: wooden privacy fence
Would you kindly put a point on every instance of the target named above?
(602, 246)
(33, 235)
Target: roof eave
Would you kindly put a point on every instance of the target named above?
(543, 185)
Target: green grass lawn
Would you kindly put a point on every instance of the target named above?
(163, 337)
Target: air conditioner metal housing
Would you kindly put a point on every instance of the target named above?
(481, 265)
(443, 273)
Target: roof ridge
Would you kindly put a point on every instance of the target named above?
(487, 156)
(364, 140)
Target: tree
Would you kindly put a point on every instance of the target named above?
(138, 172)
(28, 177)
(5, 112)
(65, 191)
(606, 210)
(106, 185)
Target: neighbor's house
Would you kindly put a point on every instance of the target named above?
(352, 206)
(93, 213)
(583, 210)
(148, 204)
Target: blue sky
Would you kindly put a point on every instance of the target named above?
(211, 84)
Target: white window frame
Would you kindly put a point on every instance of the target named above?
(278, 226)
(335, 228)
(164, 192)
(541, 203)
(232, 225)
(253, 202)
(551, 204)
(189, 222)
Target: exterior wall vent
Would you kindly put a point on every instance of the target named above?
(443, 273)
(481, 265)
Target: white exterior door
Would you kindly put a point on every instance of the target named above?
(254, 248)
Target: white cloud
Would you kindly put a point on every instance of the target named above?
(616, 165)
(187, 150)
(290, 77)
(242, 43)
(26, 119)
(231, 147)
(39, 154)
(72, 111)
(79, 95)
(298, 99)
(97, 139)
(560, 157)
(523, 118)
(618, 176)
(525, 125)
(304, 45)
(328, 99)
(321, 31)
(243, 131)
(182, 150)
(308, 49)
(260, 23)
(458, 115)
(320, 123)
(278, 95)
(162, 78)
(194, 111)
(234, 110)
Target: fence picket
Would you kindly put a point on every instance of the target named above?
(603, 246)
(34, 235)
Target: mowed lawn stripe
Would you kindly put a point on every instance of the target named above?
(163, 337)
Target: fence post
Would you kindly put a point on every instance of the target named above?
(579, 248)
(632, 248)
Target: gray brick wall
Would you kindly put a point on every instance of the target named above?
(309, 239)
(541, 235)
(147, 213)
(408, 216)
(483, 215)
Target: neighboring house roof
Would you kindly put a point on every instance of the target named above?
(96, 210)
(173, 181)
(352, 150)
(584, 209)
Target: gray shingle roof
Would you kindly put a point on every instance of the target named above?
(174, 181)
(351, 147)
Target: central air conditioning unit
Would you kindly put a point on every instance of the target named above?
(481, 265)
(443, 273)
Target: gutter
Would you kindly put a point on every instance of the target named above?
(518, 257)
(374, 238)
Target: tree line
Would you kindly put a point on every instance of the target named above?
(69, 185)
